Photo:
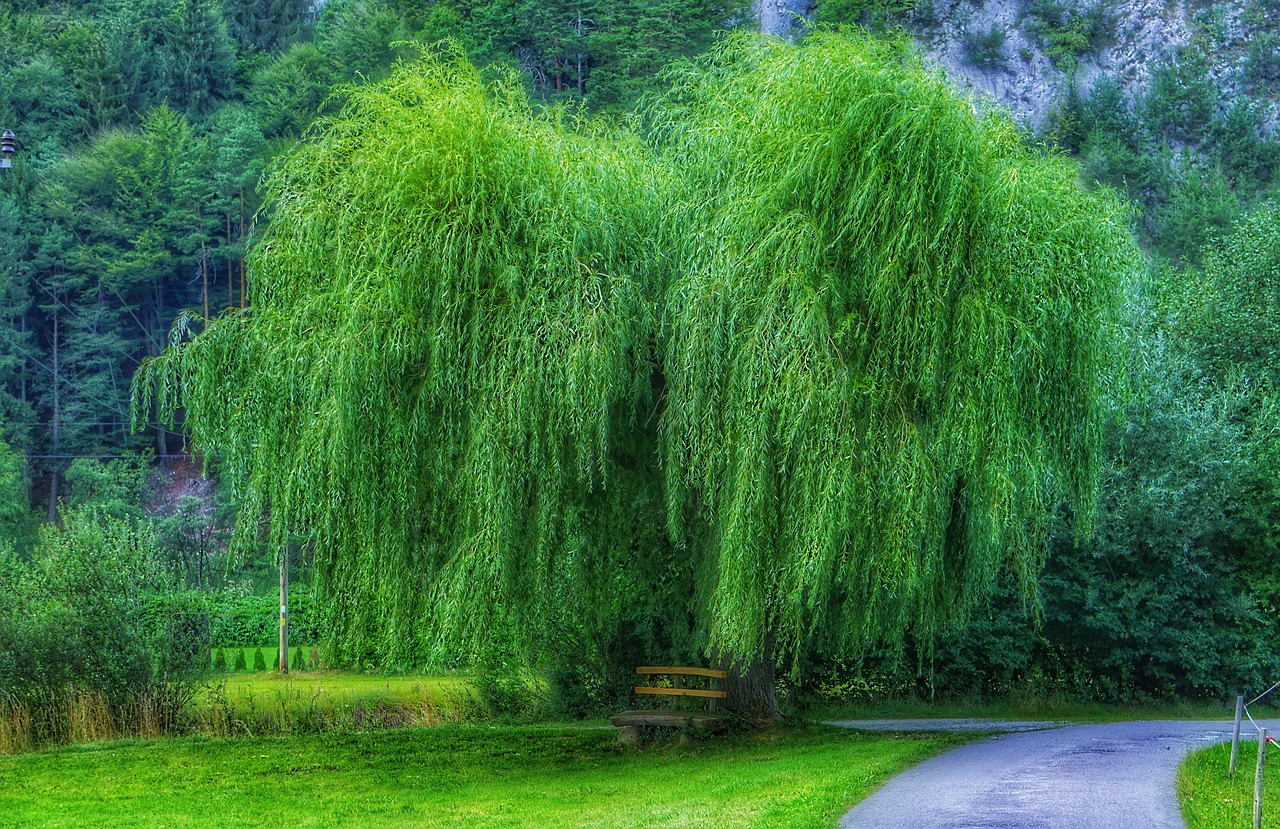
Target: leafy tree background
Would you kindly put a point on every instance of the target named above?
(145, 128)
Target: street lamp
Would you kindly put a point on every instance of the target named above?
(8, 146)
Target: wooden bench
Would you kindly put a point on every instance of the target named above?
(631, 722)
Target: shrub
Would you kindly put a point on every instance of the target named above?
(259, 660)
(298, 663)
(240, 665)
(1183, 96)
(1067, 35)
(220, 661)
(1262, 67)
(986, 48)
(239, 618)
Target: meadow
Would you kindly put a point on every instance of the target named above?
(457, 776)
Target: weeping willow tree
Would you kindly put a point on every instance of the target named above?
(886, 343)
(813, 358)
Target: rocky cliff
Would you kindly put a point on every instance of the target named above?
(1026, 54)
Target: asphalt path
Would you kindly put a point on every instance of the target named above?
(1111, 776)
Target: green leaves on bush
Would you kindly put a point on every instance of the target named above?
(259, 660)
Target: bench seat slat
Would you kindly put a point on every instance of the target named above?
(709, 672)
(682, 692)
(669, 719)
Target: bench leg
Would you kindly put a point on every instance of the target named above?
(629, 735)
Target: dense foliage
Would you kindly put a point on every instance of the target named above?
(145, 128)
(494, 356)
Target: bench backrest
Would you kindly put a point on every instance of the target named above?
(677, 689)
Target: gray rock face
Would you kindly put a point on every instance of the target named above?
(1146, 33)
(781, 17)
(1022, 78)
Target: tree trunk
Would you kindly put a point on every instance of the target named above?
(753, 687)
(56, 428)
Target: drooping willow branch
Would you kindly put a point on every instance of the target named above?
(819, 351)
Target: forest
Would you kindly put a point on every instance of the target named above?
(154, 206)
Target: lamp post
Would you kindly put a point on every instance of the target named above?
(8, 147)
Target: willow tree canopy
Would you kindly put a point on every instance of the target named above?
(820, 351)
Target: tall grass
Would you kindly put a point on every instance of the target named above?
(71, 716)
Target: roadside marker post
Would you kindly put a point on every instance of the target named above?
(1257, 780)
(1235, 738)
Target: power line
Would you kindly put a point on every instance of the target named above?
(143, 328)
(80, 320)
(58, 378)
(102, 457)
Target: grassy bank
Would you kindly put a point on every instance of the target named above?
(457, 777)
(1211, 800)
(266, 703)
(335, 688)
(245, 704)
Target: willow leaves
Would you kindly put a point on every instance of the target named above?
(816, 353)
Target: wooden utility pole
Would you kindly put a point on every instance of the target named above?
(284, 612)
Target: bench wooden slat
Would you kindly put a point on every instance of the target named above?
(710, 672)
(682, 692)
(669, 719)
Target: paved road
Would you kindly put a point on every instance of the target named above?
(1113, 776)
(968, 724)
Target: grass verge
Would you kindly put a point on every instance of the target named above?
(457, 777)
(1211, 800)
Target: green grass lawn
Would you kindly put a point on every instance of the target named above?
(463, 776)
(1211, 800)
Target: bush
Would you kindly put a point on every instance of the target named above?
(1183, 96)
(237, 618)
(77, 633)
(1067, 35)
(986, 48)
(1262, 67)
(220, 660)
(298, 663)
(259, 660)
(241, 665)
(76, 613)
